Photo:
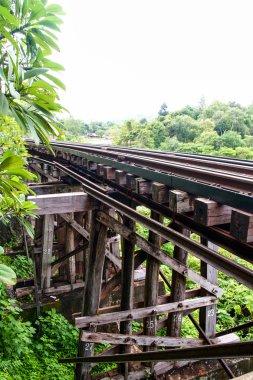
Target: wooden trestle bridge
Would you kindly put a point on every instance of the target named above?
(88, 201)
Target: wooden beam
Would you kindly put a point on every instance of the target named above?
(180, 201)
(141, 340)
(71, 261)
(211, 213)
(207, 315)
(48, 237)
(57, 263)
(120, 177)
(63, 203)
(241, 226)
(53, 188)
(39, 170)
(109, 173)
(129, 315)
(143, 186)
(100, 170)
(159, 254)
(178, 287)
(127, 287)
(160, 192)
(96, 257)
(82, 231)
(116, 279)
(152, 274)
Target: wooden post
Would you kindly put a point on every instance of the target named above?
(127, 287)
(207, 315)
(152, 270)
(70, 246)
(98, 234)
(61, 239)
(48, 237)
(177, 289)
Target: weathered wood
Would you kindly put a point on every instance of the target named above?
(180, 201)
(63, 203)
(159, 341)
(191, 293)
(96, 257)
(241, 226)
(159, 254)
(91, 165)
(57, 290)
(48, 237)
(120, 177)
(100, 170)
(70, 246)
(130, 182)
(127, 286)
(160, 192)
(41, 171)
(152, 276)
(116, 279)
(178, 286)
(70, 220)
(207, 315)
(211, 213)
(57, 263)
(133, 314)
(53, 188)
(143, 186)
(109, 173)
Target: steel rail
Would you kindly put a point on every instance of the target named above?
(197, 168)
(240, 200)
(230, 165)
(160, 152)
(214, 234)
(232, 269)
(216, 351)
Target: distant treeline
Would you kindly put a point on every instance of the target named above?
(220, 129)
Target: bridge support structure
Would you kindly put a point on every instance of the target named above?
(159, 226)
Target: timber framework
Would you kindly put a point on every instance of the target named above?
(88, 236)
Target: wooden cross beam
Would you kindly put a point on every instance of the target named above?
(63, 203)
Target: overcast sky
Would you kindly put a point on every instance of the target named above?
(124, 58)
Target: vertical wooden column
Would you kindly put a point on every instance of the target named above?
(207, 315)
(61, 240)
(178, 285)
(79, 218)
(127, 277)
(98, 234)
(70, 246)
(152, 270)
(47, 246)
(127, 288)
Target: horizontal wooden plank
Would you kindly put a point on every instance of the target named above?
(63, 203)
(144, 312)
(143, 340)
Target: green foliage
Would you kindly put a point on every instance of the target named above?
(7, 275)
(22, 266)
(28, 90)
(26, 356)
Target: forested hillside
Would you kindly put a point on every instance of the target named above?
(218, 129)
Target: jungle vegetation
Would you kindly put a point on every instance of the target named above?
(224, 129)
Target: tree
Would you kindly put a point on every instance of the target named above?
(28, 91)
(184, 128)
(163, 110)
(27, 86)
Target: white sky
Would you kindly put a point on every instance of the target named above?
(124, 58)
